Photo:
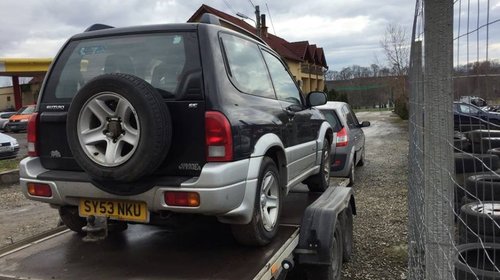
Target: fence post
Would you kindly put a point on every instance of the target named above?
(416, 233)
(438, 134)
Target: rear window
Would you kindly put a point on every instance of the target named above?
(332, 119)
(159, 59)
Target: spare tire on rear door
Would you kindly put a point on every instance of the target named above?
(119, 128)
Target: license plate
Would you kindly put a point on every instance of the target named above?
(6, 149)
(134, 211)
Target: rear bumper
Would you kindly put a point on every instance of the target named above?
(340, 165)
(225, 190)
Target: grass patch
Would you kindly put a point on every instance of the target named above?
(9, 164)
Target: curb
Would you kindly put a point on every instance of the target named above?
(9, 177)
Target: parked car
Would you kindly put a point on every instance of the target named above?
(169, 120)
(470, 117)
(349, 150)
(4, 119)
(19, 121)
(9, 147)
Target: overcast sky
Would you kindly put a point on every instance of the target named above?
(349, 31)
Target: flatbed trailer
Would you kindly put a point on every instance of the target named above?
(204, 251)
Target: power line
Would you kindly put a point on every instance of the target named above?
(251, 3)
(230, 7)
(271, 18)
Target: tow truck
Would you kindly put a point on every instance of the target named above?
(314, 238)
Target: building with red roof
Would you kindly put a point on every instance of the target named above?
(306, 62)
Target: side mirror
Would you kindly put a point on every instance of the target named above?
(365, 124)
(316, 98)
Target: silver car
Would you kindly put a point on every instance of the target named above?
(349, 149)
(4, 119)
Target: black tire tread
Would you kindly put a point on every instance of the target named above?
(316, 183)
(159, 137)
(253, 234)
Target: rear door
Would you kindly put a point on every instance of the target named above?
(160, 59)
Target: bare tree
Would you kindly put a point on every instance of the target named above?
(396, 47)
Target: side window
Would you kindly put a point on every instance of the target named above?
(331, 118)
(349, 117)
(246, 66)
(284, 85)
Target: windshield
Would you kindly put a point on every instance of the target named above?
(159, 59)
(26, 110)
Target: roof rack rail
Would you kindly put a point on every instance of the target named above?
(97, 26)
(209, 18)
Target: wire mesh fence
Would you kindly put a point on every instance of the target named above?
(454, 179)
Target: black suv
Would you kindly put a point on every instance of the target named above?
(142, 124)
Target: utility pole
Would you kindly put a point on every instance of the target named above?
(257, 22)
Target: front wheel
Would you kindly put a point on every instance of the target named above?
(321, 181)
(266, 215)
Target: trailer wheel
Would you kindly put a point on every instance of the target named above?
(347, 233)
(332, 271)
(321, 181)
(267, 209)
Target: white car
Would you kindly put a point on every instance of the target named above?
(9, 147)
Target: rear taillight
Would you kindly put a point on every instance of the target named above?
(342, 138)
(218, 137)
(32, 131)
(39, 189)
(186, 199)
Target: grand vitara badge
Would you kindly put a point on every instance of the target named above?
(55, 107)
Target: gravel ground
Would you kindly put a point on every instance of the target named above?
(21, 218)
(380, 230)
(380, 226)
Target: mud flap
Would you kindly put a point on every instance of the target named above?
(318, 225)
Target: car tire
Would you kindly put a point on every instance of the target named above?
(70, 218)
(474, 261)
(119, 128)
(488, 143)
(320, 182)
(267, 208)
(495, 151)
(479, 220)
(483, 187)
(475, 136)
(468, 163)
(347, 233)
(331, 271)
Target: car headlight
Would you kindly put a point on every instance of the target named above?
(14, 143)
(24, 120)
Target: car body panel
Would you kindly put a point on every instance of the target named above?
(260, 126)
(342, 116)
(19, 121)
(470, 117)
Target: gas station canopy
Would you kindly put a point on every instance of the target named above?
(22, 67)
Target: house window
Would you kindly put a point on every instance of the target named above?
(8, 98)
